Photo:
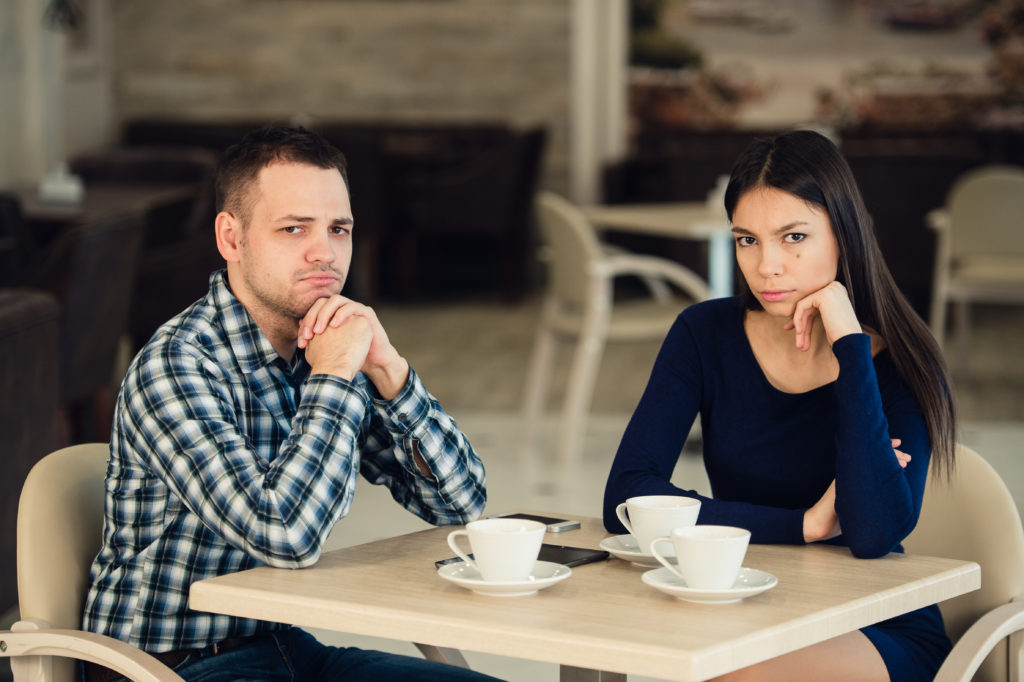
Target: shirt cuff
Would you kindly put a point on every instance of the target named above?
(406, 410)
(331, 397)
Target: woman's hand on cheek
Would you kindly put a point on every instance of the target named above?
(832, 304)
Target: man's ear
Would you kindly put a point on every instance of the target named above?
(229, 234)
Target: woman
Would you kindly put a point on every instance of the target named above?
(822, 397)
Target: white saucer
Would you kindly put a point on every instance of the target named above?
(625, 547)
(545, 574)
(749, 582)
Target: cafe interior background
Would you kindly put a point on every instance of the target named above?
(454, 111)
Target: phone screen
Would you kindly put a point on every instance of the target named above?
(559, 554)
(546, 520)
(570, 556)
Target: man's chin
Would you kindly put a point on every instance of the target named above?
(312, 297)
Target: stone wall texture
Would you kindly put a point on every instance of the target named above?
(410, 60)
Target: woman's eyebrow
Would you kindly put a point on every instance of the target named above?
(736, 229)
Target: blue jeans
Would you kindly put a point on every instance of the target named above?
(294, 655)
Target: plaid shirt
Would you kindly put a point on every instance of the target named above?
(223, 457)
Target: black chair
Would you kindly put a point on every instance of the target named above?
(178, 250)
(468, 218)
(17, 242)
(157, 166)
(29, 329)
(91, 270)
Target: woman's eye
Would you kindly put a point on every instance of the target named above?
(745, 241)
(795, 237)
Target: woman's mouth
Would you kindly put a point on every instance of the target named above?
(774, 295)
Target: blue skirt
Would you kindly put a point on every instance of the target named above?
(913, 645)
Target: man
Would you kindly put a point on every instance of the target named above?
(242, 425)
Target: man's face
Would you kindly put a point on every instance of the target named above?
(297, 244)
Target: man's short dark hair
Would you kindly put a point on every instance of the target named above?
(241, 163)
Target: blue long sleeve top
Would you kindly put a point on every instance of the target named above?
(770, 455)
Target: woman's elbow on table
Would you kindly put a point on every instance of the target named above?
(874, 545)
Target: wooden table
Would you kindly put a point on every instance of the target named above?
(101, 199)
(686, 220)
(602, 617)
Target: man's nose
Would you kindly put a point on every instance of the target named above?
(320, 250)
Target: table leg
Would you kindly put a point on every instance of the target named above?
(570, 673)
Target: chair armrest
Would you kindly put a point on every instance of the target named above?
(979, 640)
(617, 265)
(938, 219)
(442, 654)
(36, 639)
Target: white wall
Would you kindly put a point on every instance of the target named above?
(55, 98)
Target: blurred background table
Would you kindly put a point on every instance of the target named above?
(676, 220)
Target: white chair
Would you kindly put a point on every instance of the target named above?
(973, 517)
(60, 522)
(979, 255)
(579, 305)
(60, 525)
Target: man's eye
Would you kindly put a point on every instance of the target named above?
(339, 229)
(292, 229)
(795, 237)
(745, 241)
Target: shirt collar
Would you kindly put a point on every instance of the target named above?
(249, 344)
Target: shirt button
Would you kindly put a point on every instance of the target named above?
(402, 416)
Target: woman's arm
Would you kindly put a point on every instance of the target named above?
(877, 500)
(654, 438)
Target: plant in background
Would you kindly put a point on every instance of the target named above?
(63, 15)
(660, 50)
(1002, 27)
(651, 45)
(669, 83)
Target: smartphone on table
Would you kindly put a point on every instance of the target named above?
(554, 524)
(557, 554)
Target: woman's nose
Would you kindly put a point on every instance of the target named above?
(770, 264)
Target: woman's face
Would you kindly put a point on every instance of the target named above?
(785, 248)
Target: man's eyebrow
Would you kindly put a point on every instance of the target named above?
(308, 219)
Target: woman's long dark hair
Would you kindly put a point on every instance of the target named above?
(807, 165)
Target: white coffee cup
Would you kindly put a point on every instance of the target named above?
(504, 550)
(709, 557)
(650, 516)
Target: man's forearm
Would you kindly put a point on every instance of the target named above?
(390, 379)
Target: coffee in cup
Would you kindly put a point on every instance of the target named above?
(650, 516)
(504, 550)
(708, 557)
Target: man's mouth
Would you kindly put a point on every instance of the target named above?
(321, 278)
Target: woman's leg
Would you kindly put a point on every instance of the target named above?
(847, 658)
